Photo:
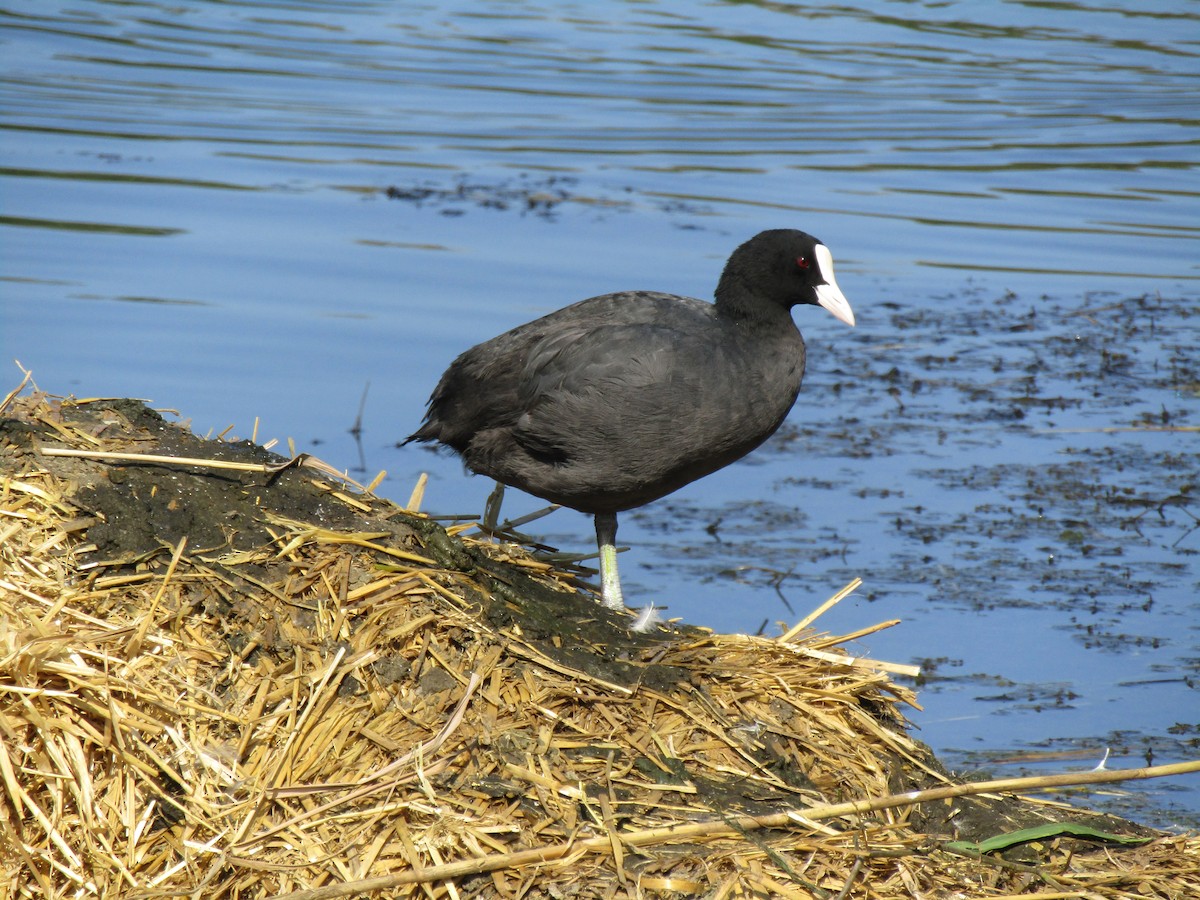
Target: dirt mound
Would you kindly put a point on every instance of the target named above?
(237, 677)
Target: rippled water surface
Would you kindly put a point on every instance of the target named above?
(196, 210)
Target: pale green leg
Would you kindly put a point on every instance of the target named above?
(610, 581)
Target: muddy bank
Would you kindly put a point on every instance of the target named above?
(250, 682)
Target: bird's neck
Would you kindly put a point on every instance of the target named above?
(746, 309)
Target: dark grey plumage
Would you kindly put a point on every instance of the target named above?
(618, 400)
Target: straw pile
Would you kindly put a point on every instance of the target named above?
(225, 684)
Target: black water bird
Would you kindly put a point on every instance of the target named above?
(621, 399)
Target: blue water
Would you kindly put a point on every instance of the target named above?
(192, 211)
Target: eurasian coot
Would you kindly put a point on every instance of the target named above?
(621, 399)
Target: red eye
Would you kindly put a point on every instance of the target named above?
(802, 262)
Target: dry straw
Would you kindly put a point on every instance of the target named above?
(356, 703)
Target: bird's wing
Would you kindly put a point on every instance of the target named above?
(612, 389)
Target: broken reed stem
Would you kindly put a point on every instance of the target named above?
(135, 646)
(833, 601)
(861, 662)
(417, 497)
(115, 456)
(11, 395)
(303, 459)
(856, 635)
(729, 826)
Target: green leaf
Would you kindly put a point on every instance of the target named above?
(1041, 832)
